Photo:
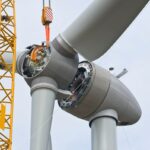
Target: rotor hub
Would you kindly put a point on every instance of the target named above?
(78, 85)
(35, 61)
(40, 61)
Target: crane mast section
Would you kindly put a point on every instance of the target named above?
(7, 71)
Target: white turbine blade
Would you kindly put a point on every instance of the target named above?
(41, 120)
(8, 58)
(100, 25)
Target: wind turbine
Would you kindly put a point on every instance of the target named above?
(82, 89)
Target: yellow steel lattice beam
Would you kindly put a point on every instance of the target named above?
(7, 71)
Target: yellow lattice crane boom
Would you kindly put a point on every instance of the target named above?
(7, 71)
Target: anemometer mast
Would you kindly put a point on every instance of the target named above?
(7, 75)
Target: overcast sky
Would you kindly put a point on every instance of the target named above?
(131, 51)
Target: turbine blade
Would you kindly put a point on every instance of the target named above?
(41, 120)
(100, 25)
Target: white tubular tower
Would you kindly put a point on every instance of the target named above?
(103, 130)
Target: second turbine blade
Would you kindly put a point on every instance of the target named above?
(100, 25)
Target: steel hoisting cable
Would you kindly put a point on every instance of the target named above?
(48, 2)
(43, 3)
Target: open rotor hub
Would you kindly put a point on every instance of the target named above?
(40, 61)
(78, 86)
(36, 59)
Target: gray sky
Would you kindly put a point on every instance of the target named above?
(130, 51)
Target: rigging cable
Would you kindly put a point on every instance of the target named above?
(47, 18)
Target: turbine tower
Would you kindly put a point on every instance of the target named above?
(82, 89)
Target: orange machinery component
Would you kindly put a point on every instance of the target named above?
(34, 53)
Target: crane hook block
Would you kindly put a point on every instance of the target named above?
(47, 15)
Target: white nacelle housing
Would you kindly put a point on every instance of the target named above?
(95, 89)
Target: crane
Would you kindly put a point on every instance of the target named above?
(7, 75)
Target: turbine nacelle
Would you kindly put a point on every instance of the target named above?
(94, 90)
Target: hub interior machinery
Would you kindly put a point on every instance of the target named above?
(36, 59)
(78, 86)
